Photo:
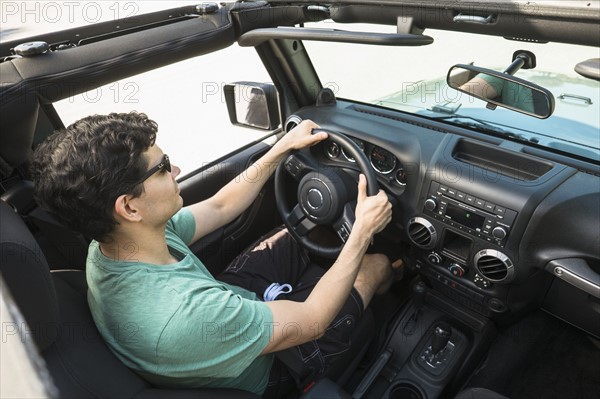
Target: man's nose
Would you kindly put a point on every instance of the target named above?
(175, 171)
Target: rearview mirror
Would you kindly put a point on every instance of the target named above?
(502, 89)
(254, 105)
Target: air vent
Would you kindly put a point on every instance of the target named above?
(422, 233)
(494, 265)
(292, 122)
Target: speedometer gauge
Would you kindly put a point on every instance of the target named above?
(383, 161)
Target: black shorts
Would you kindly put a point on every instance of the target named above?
(277, 258)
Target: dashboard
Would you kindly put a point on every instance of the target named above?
(485, 219)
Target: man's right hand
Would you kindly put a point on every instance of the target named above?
(372, 213)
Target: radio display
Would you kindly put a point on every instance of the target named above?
(464, 217)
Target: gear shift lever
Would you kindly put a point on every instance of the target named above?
(439, 350)
(441, 337)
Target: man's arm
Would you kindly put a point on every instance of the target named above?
(295, 323)
(239, 193)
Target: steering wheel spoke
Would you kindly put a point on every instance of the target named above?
(299, 222)
(297, 165)
(343, 226)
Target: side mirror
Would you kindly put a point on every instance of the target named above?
(254, 105)
(497, 88)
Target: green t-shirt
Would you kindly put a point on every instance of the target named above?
(176, 325)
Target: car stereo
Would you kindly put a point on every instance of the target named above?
(473, 215)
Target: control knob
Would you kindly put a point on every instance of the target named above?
(499, 232)
(456, 269)
(430, 204)
(434, 258)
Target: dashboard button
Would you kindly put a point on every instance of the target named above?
(500, 210)
(443, 189)
(489, 206)
(344, 232)
(480, 203)
(451, 192)
(470, 199)
(461, 196)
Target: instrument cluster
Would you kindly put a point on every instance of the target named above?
(383, 161)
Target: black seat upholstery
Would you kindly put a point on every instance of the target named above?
(55, 308)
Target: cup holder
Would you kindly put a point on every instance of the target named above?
(405, 390)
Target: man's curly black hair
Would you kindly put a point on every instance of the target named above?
(80, 171)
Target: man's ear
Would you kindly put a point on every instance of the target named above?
(126, 209)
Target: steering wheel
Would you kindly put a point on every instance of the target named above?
(325, 196)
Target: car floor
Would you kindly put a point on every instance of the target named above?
(542, 357)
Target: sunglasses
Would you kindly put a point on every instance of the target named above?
(163, 164)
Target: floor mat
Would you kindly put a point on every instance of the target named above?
(542, 357)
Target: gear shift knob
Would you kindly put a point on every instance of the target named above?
(440, 339)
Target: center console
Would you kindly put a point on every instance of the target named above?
(433, 347)
(461, 244)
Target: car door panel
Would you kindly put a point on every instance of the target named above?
(217, 249)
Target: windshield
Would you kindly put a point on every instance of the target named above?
(413, 79)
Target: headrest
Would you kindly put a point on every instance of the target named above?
(27, 275)
(18, 119)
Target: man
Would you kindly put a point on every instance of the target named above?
(154, 302)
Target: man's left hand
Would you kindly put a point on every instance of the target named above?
(301, 136)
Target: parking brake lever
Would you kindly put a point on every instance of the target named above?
(419, 290)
